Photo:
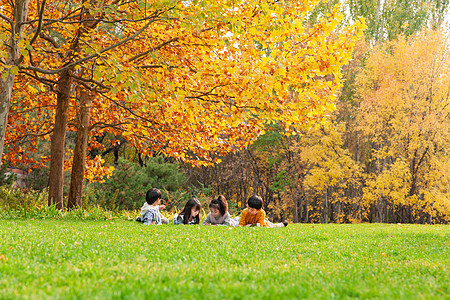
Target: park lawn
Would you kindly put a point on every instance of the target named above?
(64, 259)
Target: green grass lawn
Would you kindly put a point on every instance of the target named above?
(124, 259)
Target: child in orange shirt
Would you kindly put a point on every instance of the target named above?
(254, 215)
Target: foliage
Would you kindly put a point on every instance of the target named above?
(404, 114)
(387, 20)
(5, 179)
(127, 186)
(186, 79)
(21, 199)
(31, 204)
(124, 259)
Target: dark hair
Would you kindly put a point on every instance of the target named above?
(193, 202)
(255, 202)
(224, 200)
(152, 196)
(218, 204)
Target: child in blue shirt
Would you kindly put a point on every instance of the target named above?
(150, 210)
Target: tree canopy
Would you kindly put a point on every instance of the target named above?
(187, 79)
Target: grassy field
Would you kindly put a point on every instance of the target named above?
(62, 259)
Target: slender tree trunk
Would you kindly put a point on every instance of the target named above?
(79, 155)
(5, 99)
(306, 211)
(325, 211)
(56, 178)
(296, 208)
(7, 81)
(378, 15)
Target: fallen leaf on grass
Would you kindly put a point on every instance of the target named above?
(384, 254)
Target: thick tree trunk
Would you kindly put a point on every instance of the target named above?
(79, 155)
(7, 82)
(56, 178)
(58, 138)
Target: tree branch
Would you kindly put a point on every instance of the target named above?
(85, 80)
(68, 66)
(7, 19)
(153, 49)
(41, 15)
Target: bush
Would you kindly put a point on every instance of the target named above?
(29, 204)
(21, 199)
(4, 178)
(127, 187)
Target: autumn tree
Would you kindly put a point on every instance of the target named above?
(308, 186)
(12, 39)
(186, 79)
(386, 20)
(404, 114)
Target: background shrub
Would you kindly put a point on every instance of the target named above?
(126, 188)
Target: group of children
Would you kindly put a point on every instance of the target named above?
(218, 214)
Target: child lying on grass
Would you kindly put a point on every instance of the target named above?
(219, 213)
(254, 215)
(150, 210)
(190, 214)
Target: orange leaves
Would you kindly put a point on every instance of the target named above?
(96, 171)
(203, 77)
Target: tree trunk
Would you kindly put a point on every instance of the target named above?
(378, 16)
(306, 211)
(325, 210)
(58, 138)
(7, 81)
(56, 177)
(295, 210)
(79, 155)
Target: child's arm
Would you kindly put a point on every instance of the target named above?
(207, 220)
(243, 220)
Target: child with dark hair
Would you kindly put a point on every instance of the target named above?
(224, 200)
(190, 214)
(254, 215)
(219, 213)
(150, 210)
